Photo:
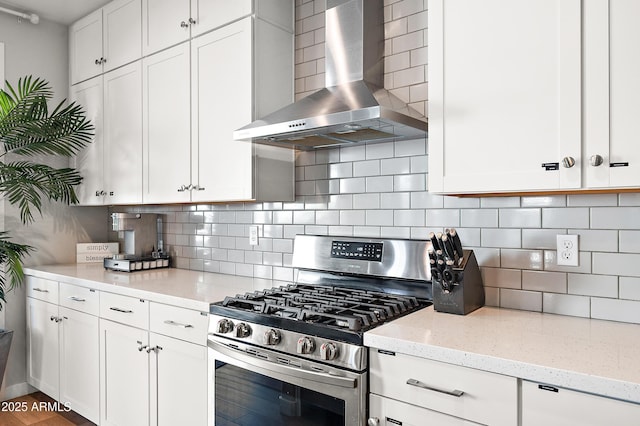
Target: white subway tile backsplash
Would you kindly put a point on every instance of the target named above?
(419, 233)
(593, 285)
(379, 218)
(592, 200)
(410, 148)
(405, 8)
(520, 299)
(616, 310)
(470, 237)
(395, 28)
(415, 182)
(283, 217)
(351, 185)
(482, 218)
(272, 231)
(366, 168)
(522, 259)
(366, 231)
(541, 238)
(449, 218)
(408, 217)
(505, 238)
(503, 278)
(547, 282)
(596, 239)
(519, 218)
(304, 217)
(551, 263)
(339, 202)
(419, 164)
(341, 170)
(316, 172)
(395, 232)
(544, 201)
(395, 166)
(615, 217)
(353, 153)
(575, 217)
(376, 151)
(629, 199)
(316, 230)
(629, 288)
(497, 202)
(396, 200)
(426, 200)
(461, 203)
(290, 231)
(397, 62)
(491, 296)
(328, 217)
(564, 304)
(616, 264)
(630, 241)
(379, 184)
(352, 217)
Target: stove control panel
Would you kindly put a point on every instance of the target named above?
(356, 250)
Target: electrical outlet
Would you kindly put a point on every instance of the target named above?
(253, 235)
(567, 247)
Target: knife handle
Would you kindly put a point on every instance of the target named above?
(432, 255)
(457, 244)
(434, 242)
(449, 251)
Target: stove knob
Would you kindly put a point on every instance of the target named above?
(271, 337)
(306, 345)
(373, 421)
(328, 351)
(243, 330)
(224, 326)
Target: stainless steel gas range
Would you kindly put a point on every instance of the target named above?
(294, 355)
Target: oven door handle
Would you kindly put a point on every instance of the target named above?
(247, 360)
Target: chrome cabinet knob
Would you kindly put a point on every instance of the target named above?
(328, 351)
(192, 21)
(568, 162)
(305, 345)
(183, 24)
(596, 160)
(271, 337)
(373, 421)
(242, 330)
(224, 326)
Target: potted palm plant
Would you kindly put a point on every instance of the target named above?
(29, 132)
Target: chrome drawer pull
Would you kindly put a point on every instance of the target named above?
(77, 299)
(419, 384)
(177, 324)
(124, 311)
(40, 290)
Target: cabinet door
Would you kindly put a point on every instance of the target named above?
(222, 102)
(42, 346)
(164, 23)
(85, 47)
(122, 33)
(89, 161)
(551, 406)
(166, 135)
(79, 363)
(389, 412)
(123, 134)
(505, 95)
(612, 93)
(210, 14)
(181, 398)
(124, 375)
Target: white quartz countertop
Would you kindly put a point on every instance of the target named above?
(595, 356)
(178, 287)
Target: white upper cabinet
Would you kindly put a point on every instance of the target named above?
(106, 39)
(504, 95)
(166, 126)
(612, 93)
(89, 161)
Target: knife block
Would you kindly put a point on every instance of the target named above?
(466, 292)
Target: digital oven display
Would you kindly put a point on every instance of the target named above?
(356, 250)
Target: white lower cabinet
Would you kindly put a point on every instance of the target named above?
(124, 375)
(62, 348)
(426, 386)
(550, 406)
(151, 373)
(389, 412)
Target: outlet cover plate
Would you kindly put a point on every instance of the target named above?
(567, 250)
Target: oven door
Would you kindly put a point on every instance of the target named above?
(254, 386)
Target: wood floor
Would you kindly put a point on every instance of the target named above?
(38, 409)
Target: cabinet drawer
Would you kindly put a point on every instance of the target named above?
(42, 289)
(81, 299)
(124, 309)
(549, 405)
(389, 412)
(184, 324)
(484, 397)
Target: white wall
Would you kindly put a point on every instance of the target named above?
(40, 50)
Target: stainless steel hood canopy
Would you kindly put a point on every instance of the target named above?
(354, 107)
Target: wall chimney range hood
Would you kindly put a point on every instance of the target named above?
(354, 107)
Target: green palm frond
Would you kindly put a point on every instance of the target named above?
(29, 129)
(11, 255)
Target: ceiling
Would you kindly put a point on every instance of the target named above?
(61, 11)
